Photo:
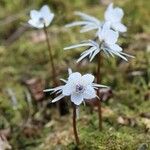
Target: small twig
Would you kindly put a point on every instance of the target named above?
(74, 125)
(16, 34)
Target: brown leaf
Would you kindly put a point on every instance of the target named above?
(36, 87)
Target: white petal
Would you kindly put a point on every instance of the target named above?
(115, 47)
(58, 98)
(89, 93)
(113, 14)
(87, 79)
(45, 9)
(69, 71)
(119, 27)
(35, 24)
(77, 45)
(86, 53)
(77, 98)
(48, 19)
(99, 85)
(83, 56)
(67, 89)
(76, 23)
(102, 32)
(108, 35)
(46, 14)
(87, 17)
(127, 55)
(94, 54)
(111, 37)
(88, 28)
(108, 12)
(74, 77)
(54, 89)
(34, 14)
(117, 14)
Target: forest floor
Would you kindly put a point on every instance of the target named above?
(28, 124)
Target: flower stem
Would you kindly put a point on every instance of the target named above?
(98, 94)
(51, 57)
(74, 125)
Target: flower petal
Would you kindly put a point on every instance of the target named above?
(58, 98)
(87, 79)
(74, 77)
(46, 14)
(111, 37)
(89, 93)
(117, 14)
(67, 89)
(35, 24)
(34, 14)
(108, 12)
(119, 27)
(115, 47)
(77, 98)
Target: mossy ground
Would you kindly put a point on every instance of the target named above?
(27, 56)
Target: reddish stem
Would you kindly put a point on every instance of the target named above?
(98, 94)
(51, 57)
(74, 125)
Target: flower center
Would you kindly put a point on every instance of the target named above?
(41, 19)
(79, 88)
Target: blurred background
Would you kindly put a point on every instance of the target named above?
(28, 122)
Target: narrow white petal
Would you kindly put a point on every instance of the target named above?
(57, 98)
(94, 54)
(77, 45)
(99, 85)
(127, 55)
(83, 56)
(87, 17)
(65, 81)
(108, 12)
(76, 98)
(76, 23)
(121, 56)
(69, 71)
(88, 28)
(54, 89)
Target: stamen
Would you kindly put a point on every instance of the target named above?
(79, 88)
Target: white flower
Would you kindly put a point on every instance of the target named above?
(114, 16)
(108, 39)
(107, 43)
(89, 22)
(78, 87)
(41, 18)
